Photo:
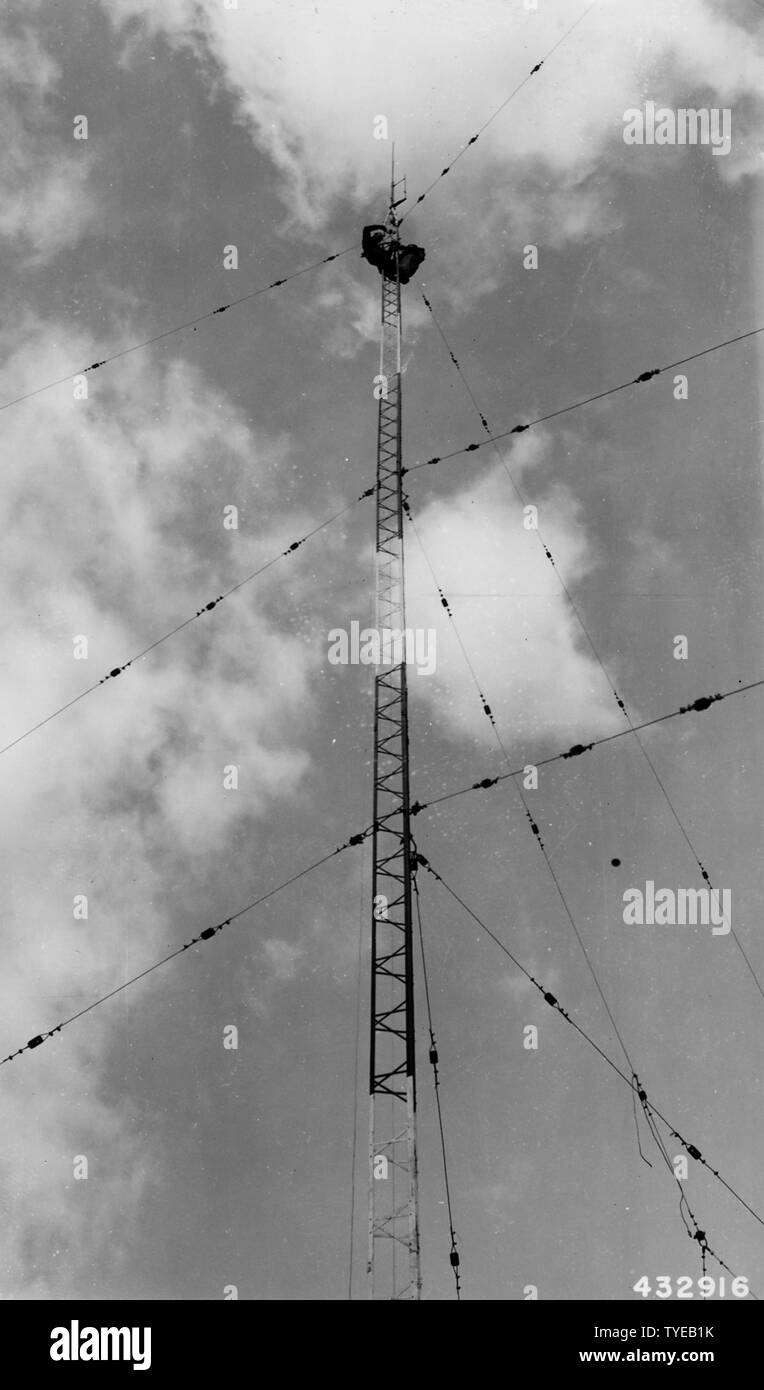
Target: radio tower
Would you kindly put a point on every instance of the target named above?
(394, 1258)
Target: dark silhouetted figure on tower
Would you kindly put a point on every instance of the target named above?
(379, 252)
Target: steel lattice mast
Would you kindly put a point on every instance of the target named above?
(394, 1257)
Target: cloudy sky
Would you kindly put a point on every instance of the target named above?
(210, 127)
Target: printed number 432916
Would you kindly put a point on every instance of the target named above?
(707, 1286)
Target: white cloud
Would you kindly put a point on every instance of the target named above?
(112, 515)
(345, 313)
(521, 636)
(45, 200)
(311, 78)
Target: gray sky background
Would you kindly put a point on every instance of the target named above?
(254, 127)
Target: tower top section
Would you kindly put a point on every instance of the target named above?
(391, 224)
(381, 244)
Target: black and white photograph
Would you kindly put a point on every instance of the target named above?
(382, 663)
